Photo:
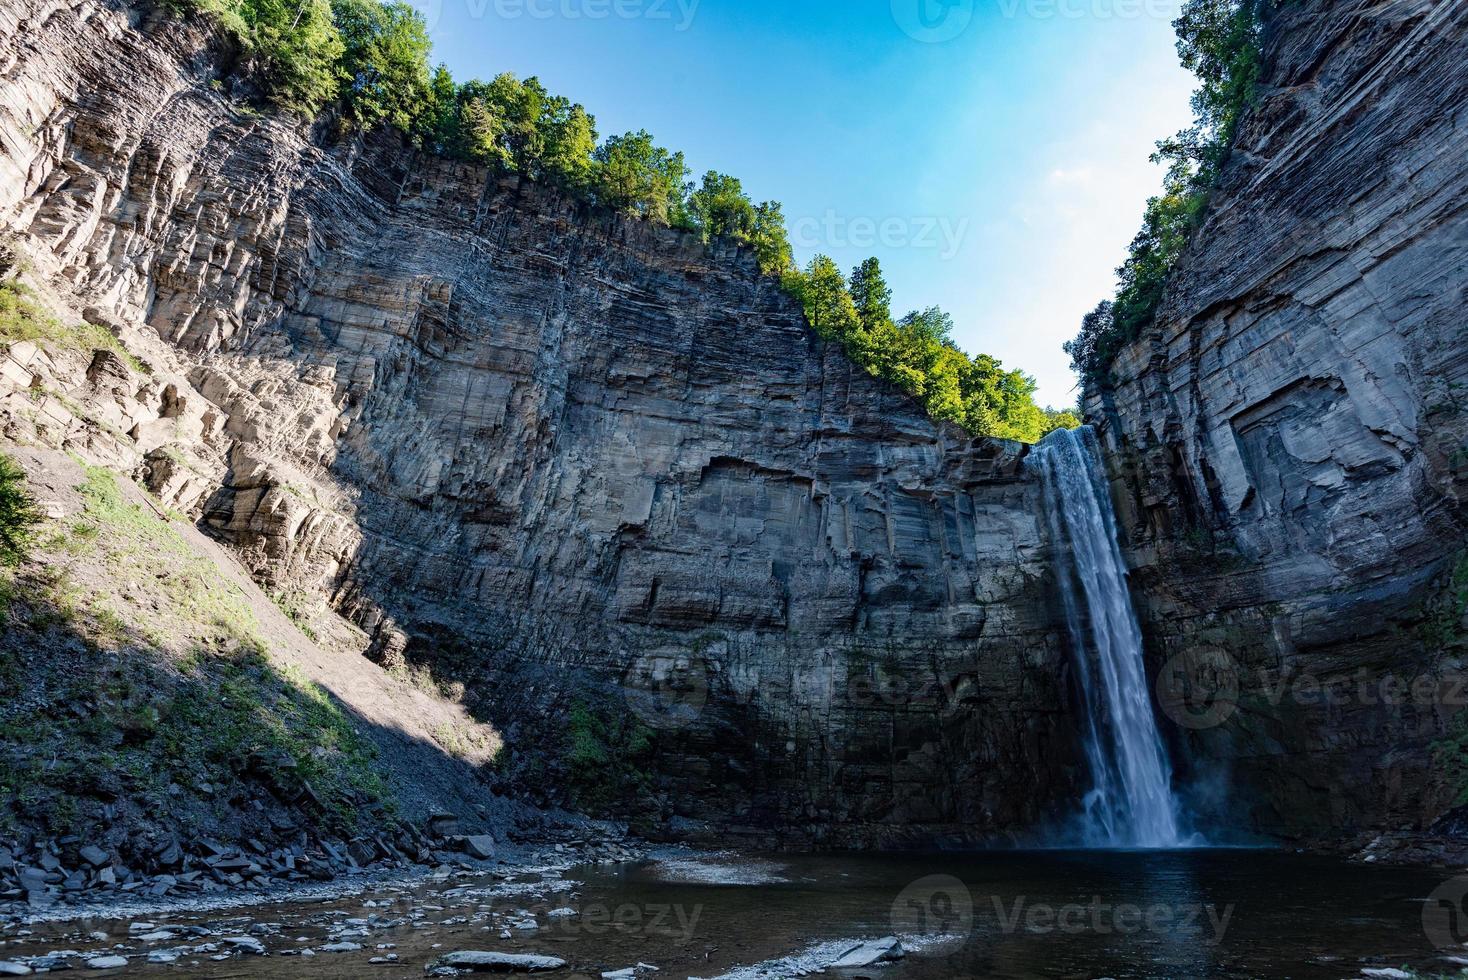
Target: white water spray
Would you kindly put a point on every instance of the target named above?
(1131, 803)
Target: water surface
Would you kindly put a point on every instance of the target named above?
(1163, 914)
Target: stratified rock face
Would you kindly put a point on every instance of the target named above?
(1290, 438)
(550, 454)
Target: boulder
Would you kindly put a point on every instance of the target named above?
(479, 846)
(94, 856)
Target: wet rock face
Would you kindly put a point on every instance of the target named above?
(553, 455)
(1289, 440)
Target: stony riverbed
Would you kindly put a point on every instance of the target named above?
(677, 914)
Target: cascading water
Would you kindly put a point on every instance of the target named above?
(1131, 802)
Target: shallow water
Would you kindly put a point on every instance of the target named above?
(1211, 913)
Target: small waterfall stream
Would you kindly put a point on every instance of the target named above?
(1131, 803)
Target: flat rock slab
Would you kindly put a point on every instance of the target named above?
(107, 962)
(499, 962)
(866, 954)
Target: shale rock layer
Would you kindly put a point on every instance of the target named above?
(589, 468)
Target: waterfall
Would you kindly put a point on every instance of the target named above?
(1131, 802)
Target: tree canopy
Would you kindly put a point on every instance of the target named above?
(918, 355)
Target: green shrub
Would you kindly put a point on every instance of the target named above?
(607, 755)
(18, 514)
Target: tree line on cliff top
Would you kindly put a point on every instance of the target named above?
(370, 61)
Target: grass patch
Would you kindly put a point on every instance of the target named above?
(23, 318)
(143, 550)
(464, 743)
(136, 727)
(170, 706)
(296, 605)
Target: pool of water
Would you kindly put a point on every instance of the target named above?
(1204, 913)
(1180, 914)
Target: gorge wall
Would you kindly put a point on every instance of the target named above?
(587, 471)
(579, 465)
(1288, 442)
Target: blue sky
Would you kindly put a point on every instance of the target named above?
(992, 153)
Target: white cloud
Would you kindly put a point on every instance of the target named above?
(1073, 175)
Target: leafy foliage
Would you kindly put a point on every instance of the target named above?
(296, 50)
(917, 353)
(608, 755)
(18, 514)
(384, 61)
(1220, 41)
(638, 177)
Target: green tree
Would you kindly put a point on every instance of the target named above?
(1220, 41)
(871, 295)
(770, 240)
(438, 126)
(821, 290)
(385, 60)
(930, 326)
(295, 49)
(636, 176)
(517, 106)
(1061, 418)
(478, 130)
(721, 209)
(567, 140)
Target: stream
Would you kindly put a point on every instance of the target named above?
(1085, 914)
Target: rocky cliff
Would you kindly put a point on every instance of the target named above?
(1288, 441)
(599, 475)
(599, 483)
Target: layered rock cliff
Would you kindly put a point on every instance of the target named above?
(585, 467)
(1289, 439)
(601, 482)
